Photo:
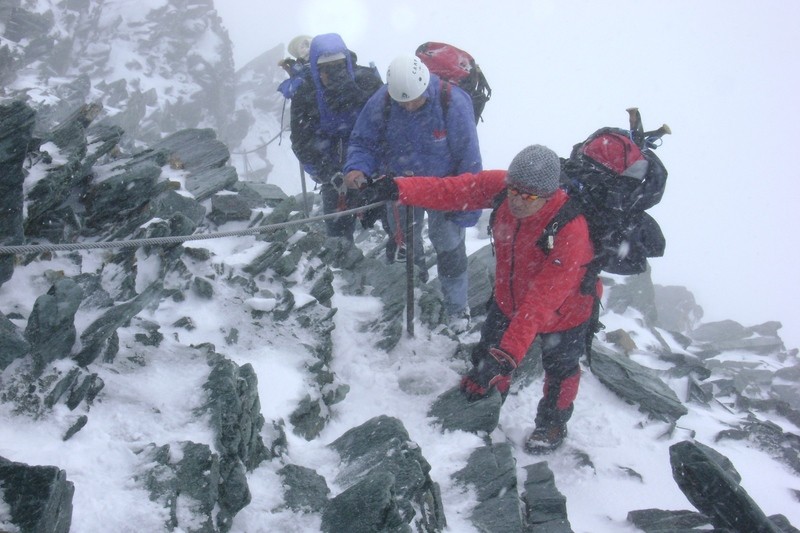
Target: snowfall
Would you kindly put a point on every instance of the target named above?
(151, 393)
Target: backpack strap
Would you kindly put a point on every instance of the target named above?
(480, 93)
(444, 95)
(483, 84)
(496, 201)
(546, 241)
(568, 211)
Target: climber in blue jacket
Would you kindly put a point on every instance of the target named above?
(417, 124)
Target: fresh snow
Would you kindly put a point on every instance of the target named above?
(151, 395)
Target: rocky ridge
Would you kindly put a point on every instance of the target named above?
(91, 153)
(92, 315)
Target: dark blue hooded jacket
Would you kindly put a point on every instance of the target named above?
(323, 117)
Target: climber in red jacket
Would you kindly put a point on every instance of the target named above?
(535, 292)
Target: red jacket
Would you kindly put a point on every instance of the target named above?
(538, 292)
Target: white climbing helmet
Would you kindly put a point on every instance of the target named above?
(299, 47)
(408, 77)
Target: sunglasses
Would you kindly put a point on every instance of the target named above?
(333, 67)
(528, 197)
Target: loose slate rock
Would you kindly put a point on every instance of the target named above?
(453, 412)
(711, 486)
(545, 506)
(51, 329)
(636, 384)
(366, 507)
(491, 471)
(388, 482)
(39, 498)
(656, 520)
(305, 489)
(12, 344)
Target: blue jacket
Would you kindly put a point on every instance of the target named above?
(323, 117)
(297, 72)
(387, 139)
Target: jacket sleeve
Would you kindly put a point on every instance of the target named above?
(458, 193)
(559, 279)
(364, 148)
(462, 133)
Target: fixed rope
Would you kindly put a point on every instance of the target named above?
(257, 148)
(247, 168)
(177, 239)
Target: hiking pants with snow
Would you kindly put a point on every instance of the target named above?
(447, 239)
(561, 355)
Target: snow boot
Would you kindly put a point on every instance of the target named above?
(459, 322)
(545, 439)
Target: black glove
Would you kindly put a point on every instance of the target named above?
(371, 216)
(492, 368)
(383, 189)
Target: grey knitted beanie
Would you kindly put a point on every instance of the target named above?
(535, 170)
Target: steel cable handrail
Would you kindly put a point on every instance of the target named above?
(177, 239)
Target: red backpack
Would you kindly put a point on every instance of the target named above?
(459, 68)
(614, 150)
(612, 178)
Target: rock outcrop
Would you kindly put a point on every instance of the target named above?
(126, 136)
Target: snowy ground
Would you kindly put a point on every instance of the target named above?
(151, 392)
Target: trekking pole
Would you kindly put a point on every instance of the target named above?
(303, 185)
(637, 130)
(410, 270)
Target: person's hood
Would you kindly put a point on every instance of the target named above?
(325, 45)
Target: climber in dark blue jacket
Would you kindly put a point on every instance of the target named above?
(323, 113)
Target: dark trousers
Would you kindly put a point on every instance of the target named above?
(342, 226)
(561, 355)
